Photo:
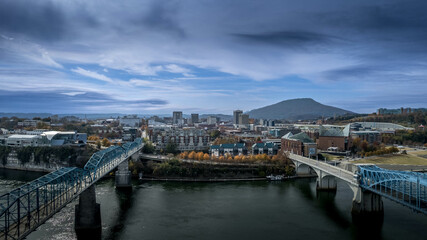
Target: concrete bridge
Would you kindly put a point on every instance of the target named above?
(369, 184)
(26, 208)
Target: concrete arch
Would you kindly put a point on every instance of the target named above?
(302, 169)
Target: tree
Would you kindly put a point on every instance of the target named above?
(24, 154)
(93, 138)
(206, 156)
(364, 146)
(199, 156)
(148, 148)
(4, 153)
(105, 142)
(183, 155)
(192, 155)
(171, 148)
(215, 134)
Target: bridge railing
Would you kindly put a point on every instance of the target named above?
(23, 209)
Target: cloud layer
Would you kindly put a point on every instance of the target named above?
(212, 55)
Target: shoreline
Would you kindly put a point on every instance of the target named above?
(28, 169)
(167, 179)
(172, 179)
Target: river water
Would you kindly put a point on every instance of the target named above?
(243, 210)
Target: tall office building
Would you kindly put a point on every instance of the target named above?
(237, 116)
(211, 120)
(244, 119)
(177, 118)
(194, 118)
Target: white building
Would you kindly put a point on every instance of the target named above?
(26, 140)
(48, 138)
(130, 121)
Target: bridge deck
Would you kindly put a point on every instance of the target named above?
(340, 173)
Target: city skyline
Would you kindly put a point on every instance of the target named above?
(210, 56)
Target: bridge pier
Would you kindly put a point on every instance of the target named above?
(87, 221)
(123, 176)
(326, 183)
(367, 205)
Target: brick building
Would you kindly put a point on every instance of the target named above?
(335, 138)
(300, 144)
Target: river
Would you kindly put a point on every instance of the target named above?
(243, 210)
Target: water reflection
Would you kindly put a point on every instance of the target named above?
(249, 210)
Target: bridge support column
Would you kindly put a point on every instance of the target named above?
(87, 221)
(326, 183)
(123, 176)
(366, 205)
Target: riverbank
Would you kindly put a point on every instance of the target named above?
(171, 179)
(178, 169)
(29, 169)
(201, 180)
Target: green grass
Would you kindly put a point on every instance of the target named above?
(422, 153)
(398, 159)
(331, 157)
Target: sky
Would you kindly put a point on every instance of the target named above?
(210, 56)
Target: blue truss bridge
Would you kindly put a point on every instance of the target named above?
(369, 183)
(24, 209)
(407, 188)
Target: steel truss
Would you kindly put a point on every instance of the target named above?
(407, 188)
(24, 209)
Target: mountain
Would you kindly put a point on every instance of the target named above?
(297, 109)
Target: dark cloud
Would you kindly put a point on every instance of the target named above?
(68, 102)
(42, 20)
(289, 38)
(357, 71)
(377, 17)
(161, 17)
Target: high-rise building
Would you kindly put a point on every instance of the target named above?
(211, 120)
(237, 116)
(244, 119)
(194, 118)
(177, 118)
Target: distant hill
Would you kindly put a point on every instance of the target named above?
(25, 115)
(79, 115)
(297, 109)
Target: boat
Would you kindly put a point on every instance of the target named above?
(272, 177)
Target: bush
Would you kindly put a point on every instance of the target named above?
(24, 154)
(148, 148)
(4, 153)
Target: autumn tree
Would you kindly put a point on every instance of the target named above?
(183, 155)
(93, 138)
(105, 142)
(199, 156)
(192, 155)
